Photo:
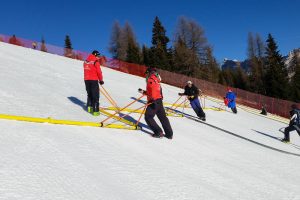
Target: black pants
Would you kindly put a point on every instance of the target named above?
(234, 110)
(157, 108)
(92, 89)
(289, 129)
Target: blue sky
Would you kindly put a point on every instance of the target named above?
(226, 22)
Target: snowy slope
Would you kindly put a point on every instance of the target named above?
(44, 161)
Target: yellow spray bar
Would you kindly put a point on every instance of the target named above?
(64, 122)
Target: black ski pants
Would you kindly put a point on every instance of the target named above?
(157, 108)
(289, 129)
(92, 89)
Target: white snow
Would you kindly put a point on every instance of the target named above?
(44, 161)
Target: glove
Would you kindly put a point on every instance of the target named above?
(141, 91)
(101, 82)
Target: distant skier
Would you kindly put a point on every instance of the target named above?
(93, 76)
(294, 123)
(192, 93)
(154, 96)
(230, 100)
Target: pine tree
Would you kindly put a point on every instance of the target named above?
(183, 62)
(118, 45)
(68, 43)
(255, 57)
(189, 37)
(68, 47)
(227, 76)
(241, 79)
(295, 80)
(159, 46)
(43, 45)
(133, 52)
(276, 78)
(146, 55)
(211, 68)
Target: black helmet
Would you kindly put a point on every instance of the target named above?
(150, 70)
(96, 53)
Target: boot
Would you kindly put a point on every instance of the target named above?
(96, 113)
(96, 109)
(170, 137)
(285, 140)
(90, 109)
(158, 135)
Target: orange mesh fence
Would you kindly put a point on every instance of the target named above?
(253, 100)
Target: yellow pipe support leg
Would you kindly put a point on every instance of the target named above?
(120, 126)
(125, 110)
(117, 118)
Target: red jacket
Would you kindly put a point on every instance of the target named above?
(92, 70)
(153, 88)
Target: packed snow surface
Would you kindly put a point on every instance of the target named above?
(245, 160)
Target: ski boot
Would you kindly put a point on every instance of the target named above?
(90, 109)
(96, 110)
(170, 137)
(285, 141)
(158, 135)
(96, 113)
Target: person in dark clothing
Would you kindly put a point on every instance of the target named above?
(154, 97)
(192, 93)
(93, 77)
(294, 123)
(264, 110)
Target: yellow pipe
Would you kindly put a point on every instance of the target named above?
(48, 120)
(177, 105)
(65, 122)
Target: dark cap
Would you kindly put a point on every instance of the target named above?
(150, 70)
(96, 53)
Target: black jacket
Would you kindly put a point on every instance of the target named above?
(191, 91)
(295, 117)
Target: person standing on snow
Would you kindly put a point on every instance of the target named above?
(230, 99)
(154, 97)
(93, 76)
(294, 123)
(192, 93)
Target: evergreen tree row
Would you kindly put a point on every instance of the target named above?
(191, 55)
